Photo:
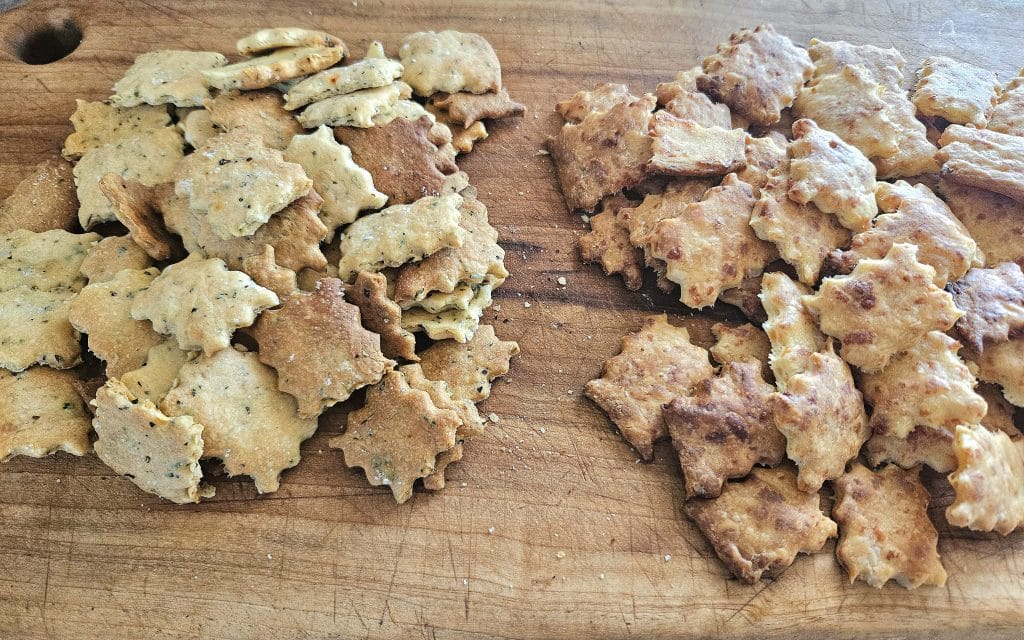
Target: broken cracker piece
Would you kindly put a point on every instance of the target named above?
(133, 206)
(608, 243)
(764, 155)
(745, 297)
(1003, 364)
(45, 199)
(993, 304)
(988, 481)
(958, 92)
(600, 99)
(197, 127)
(382, 315)
(468, 108)
(41, 413)
(743, 343)
(167, 76)
(791, 329)
(985, 159)
(99, 123)
(685, 148)
(360, 109)
(281, 65)
(470, 367)
(156, 376)
(449, 62)
(923, 445)
(262, 112)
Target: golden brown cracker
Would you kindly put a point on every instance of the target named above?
(657, 364)
(98, 124)
(984, 159)
(883, 307)
(697, 107)
(758, 72)
(468, 108)
(885, 532)
(993, 304)
(745, 297)
(764, 156)
(958, 92)
(285, 37)
(469, 368)
(318, 347)
(1003, 364)
(791, 329)
(262, 112)
(381, 315)
(470, 422)
(133, 206)
(884, 66)
(263, 269)
(822, 415)
(995, 221)
(642, 219)
(34, 329)
(44, 199)
(988, 481)
(167, 76)
(759, 525)
(463, 139)
(600, 99)
(397, 435)
(724, 429)
(608, 243)
(283, 64)
(923, 445)
(685, 148)
(449, 62)
(41, 413)
(436, 480)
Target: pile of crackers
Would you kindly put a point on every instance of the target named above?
(228, 250)
(874, 237)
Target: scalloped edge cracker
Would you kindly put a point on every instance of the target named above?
(449, 61)
(41, 413)
(283, 64)
(167, 76)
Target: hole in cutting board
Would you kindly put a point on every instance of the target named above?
(49, 42)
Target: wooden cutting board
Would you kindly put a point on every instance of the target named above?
(549, 528)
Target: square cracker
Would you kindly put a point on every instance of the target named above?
(45, 261)
(369, 73)
(657, 364)
(449, 62)
(34, 329)
(162, 77)
(261, 111)
(985, 159)
(885, 530)
(281, 65)
(684, 148)
(958, 92)
(988, 481)
(45, 199)
(41, 413)
(759, 525)
(99, 123)
(993, 304)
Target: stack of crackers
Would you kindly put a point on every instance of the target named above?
(240, 247)
(874, 237)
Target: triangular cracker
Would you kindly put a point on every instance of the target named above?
(262, 112)
(99, 123)
(382, 315)
(44, 199)
(449, 62)
(41, 413)
(469, 368)
(284, 64)
(993, 304)
(958, 92)
(791, 329)
(988, 481)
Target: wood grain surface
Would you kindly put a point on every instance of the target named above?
(549, 527)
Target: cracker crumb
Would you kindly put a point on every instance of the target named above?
(667, 557)
(561, 281)
(490, 530)
(527, 305)
(493, 417)
(600, 576)
(560, 555)
(270, 557)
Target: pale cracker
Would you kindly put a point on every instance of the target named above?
(469, 368)
(167, 76)
(34, 329)
(134, 207)
(239, 183)
(656, 364)
(1008, 114)
(257, 73)
(988, 481)
(461, 297)
(685, 148)
(985, 159)
(993, 304)
(263, 269)
(355, 109)
(45, 261)
(884, 66)
(764, 156)
(453, 323)
(958, 92)
(45, 199)
(157, 453)
(247, 423)
(318, 347)
(201, 303)
(381, 315)
(285, 37)
(111, 255)
(156, 376)
(148, 159)
(759, 525)
(792, 330)
(742, 343)
(396, 436)
(262, 112)
(98, 124)
(197, 127)
(103, 311)
(401, 233)
(917, 152)
(600, 99)
(1003, 364)
(364, 74)
(995, 221)
(41, 413)
(833, 175)
(822, 415)
(345, 187)
(449, 61)
(467, 109)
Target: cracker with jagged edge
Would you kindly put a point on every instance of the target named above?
(281, 65)
(765, 157)
(600, 99)
(469, 368)
(927, 385)
(923, 445)
(759, 525)
(1008, 114)
(914, 215)
(346, 187)
(758, 73)
(262, 112)
(822, 415)
(436, 480)
(41, 413)
(381, 315)
(470, 422)
(98, 124)
(159, 454)
(133, 206)
(883, 307)
(34, 329)
(368, 73)
(710, 246)
(252, 427)
(791, 329)
(360, 109)
(1003, 364)
(263, 269)
(958, 92)
(885, 532)
(45, 199)
(724, 428)
(917, 153)
(295, 232)
(285, 37)
(469, 108)
(449, 62)
(197, 127)
(988, 481)
(201, 303)
(608, 243)
(461, 297)
(45, 261)
(685, 148)
(741, 343)
(641, 219)
(685, 80)
(401, 233)
(456, 322)
(745, 297)
(111, 255)
(102, 310)
(149, 159)
(318, 347)
(405, 157)
(802, 233)
(984, 159)
(885, 66)
(995, 221)
(657, 364)
(155, 377)
(396, 435)
(698, 108)
(849, 103)
(993, 304)
(606, 152)
(238, 183)
(167, 77)
(833, 175)
(463, 139)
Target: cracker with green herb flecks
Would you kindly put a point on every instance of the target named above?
(368, 73)
(41, 413)
(46, 261)
(281, 65)
(98, 124)
(34, 329)
(45, 199)
(155, 377)
(111, 255)
(360, 109)
(446, 320)
(449, 62)
(162, 77)
(285, 37)
(470, 422)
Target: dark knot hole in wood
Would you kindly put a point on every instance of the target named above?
(49, 42)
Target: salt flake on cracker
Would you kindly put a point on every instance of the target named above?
(41, 413)
(99, 123)
(993, 304)
(958, 92)
(162, 77)
(449, 61)
(685, 148)
(988, 481)
(382, 315)
(285, 37)
(284, 64)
